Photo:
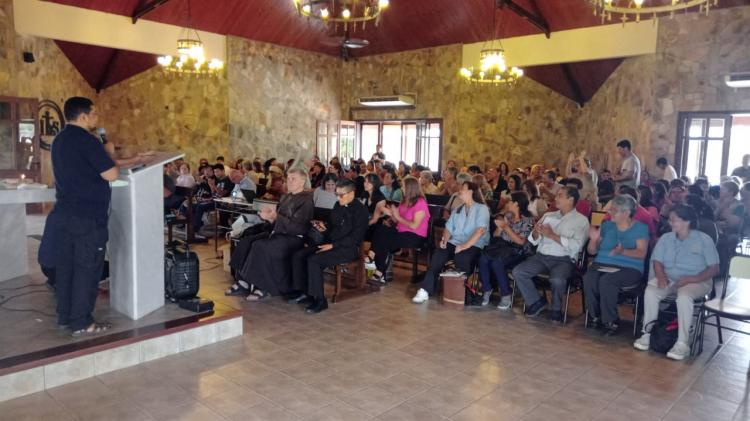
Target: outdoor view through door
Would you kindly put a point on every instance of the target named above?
(711, 144)
(410, 141)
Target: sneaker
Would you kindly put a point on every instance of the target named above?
(536, 308)
(486, 298)
(505, 303)
(370, 265)
(421, 297)
(556, 317)
(679, 351)
(643, 343)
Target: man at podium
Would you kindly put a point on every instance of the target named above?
(76, 234)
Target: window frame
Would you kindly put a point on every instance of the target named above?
(420, 124)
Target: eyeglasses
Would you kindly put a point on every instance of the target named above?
(342, 194)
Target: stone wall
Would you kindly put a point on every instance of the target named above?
(157, 111)
(642, 99)
(50, 77)
(480, 125)
(276, 95)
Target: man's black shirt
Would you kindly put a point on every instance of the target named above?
(78, 159)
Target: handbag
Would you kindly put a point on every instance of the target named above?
(663, 333)
(503, 249)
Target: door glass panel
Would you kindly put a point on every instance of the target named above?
(739, 142)
(696, 127)
(434, 152)
(410, 143)
(7, 150)
(714, 150)
(693, 161)
(392, 142)
(369, 139)
(25, 145)
(716, 128)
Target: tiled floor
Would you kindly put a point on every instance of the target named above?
(379, 356)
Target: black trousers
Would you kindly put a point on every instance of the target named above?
(387, 239)
(465, 262)
(601, 290)
(242, 250)
(79, 269)
(268, 266)
(308, 267)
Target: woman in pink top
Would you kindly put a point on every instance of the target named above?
(411, 219)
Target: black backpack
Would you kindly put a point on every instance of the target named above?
(181, 273)
(663, 333)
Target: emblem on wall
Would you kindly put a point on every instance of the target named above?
(51, 121)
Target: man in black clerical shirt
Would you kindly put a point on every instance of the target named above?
(83, 167)
(343, 235)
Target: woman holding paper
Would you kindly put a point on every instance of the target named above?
(620, 246)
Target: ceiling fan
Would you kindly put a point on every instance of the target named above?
(346, 43)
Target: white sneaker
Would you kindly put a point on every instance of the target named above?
(679, 351)
(370, 265)
(504, 303)
(421, 297)
(643, 343)
(486, 298)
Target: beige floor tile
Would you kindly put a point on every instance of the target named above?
(407, 412)
(374, 400)
(337, 411)
(38, 406)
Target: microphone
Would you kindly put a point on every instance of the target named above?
(102, 132)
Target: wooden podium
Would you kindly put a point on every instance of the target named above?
(136, 238)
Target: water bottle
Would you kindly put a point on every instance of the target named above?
(234, 195)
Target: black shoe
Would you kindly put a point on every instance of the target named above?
(317, 306)
(237, 290)
(536, 308)
(301, 299)
(594, 323)
(556, 317)
(610, 329)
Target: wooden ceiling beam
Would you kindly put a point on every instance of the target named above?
(535, 19)
(146, 8)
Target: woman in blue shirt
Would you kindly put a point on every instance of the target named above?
(620, 245)
(465, 235)
(390, 188)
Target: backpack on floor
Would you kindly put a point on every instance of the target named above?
(663, 333)
(181, 271)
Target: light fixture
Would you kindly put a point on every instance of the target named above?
(633, 9)
(387, 101)
(737, 80)
(191, 55)
(348, 13)
(492, 68)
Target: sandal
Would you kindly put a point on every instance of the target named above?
(376, 279)
(93, 329)
(257, 295)
(236, 290)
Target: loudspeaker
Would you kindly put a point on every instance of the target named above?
(28, 57)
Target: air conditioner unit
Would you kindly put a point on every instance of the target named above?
(738, 80)
(387, 101)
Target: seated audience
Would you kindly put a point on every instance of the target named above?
(185, 179)
(537, 205)
(676, 196)
(660, 194)
(390, 187)
(646, 200)
(583, 206)
(641, 213)
(743, 172)
(465, 234)
(605, 187)
(559, 237)
(325, 195)
(223, 186)
(668, 171)
(448, 185)
(484, 186)
(729, 216)
(343, 235)
(403, 170)
(455, 200)
(548, 187)
(375, 202)
(427, 183)
(580, 168)
(241, 182)
(514, 184)
(684, 262)
(411, 218)
(276, 187)
(508, 246)
(620, 246)
(254, 170)
(317, 172)
(267, 266)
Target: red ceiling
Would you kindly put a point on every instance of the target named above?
(407, 25)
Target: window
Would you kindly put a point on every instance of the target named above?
(19, 138)
(336, 138)
(711, 144)
(408, 141)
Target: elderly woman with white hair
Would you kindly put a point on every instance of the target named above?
(620, 246)
(427, 182)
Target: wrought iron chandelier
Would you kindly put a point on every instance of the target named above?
(348, 13)
(633, 9)
(191, 57)
(492, 68)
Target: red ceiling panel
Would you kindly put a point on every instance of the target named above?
(407, 25)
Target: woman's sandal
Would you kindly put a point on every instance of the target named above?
(376, 279)
(257, 295)
(93, 329)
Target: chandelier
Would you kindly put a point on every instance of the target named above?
(629, 8)
(345, 12)
(492, 68)
(191, 57)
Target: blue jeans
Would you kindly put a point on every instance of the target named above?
(498, 267)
